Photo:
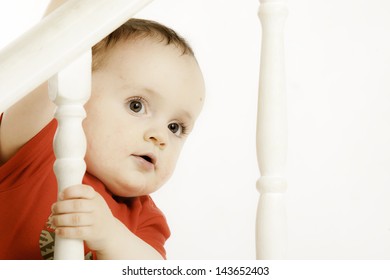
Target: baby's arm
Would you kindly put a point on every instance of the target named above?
(82, 213)
(27, 117)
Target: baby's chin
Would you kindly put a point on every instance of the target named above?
(127, 191)
(133, 185)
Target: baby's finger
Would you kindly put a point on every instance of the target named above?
(72, 206)
(77, 191)
(72, 220)
(74, 232)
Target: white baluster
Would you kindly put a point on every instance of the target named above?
(271, 224)
(69, 90)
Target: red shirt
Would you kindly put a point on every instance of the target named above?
(28, 188)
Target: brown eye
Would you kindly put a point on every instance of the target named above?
(136, 106)
(175, 128)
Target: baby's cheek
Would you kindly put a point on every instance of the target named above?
(165, 174)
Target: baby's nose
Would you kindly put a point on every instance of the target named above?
(157, 137)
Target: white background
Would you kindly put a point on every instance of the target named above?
(338, 86)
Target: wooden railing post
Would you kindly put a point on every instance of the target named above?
(271, 224)
(69, 90)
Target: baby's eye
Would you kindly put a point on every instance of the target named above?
(175, 128)
(137, 106)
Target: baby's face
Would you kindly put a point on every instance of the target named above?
(145, 99)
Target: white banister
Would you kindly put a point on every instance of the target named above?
(271, 224)
(69, 89)
(59, 38)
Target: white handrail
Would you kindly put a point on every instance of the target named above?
(271, 227)
(58, 39)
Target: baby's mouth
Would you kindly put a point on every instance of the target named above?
(149, 158)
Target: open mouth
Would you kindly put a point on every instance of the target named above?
(147, 158)
(150, 158)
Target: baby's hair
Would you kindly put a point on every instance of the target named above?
(135, 29)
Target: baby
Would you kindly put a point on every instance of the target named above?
(147, 92)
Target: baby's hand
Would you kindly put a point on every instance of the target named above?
(82, 213)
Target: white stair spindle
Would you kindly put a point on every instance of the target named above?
(69, 90)
(271, 224)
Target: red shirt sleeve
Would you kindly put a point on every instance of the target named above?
(152, 225)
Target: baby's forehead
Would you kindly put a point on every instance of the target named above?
(101, 55)
(149, 65)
